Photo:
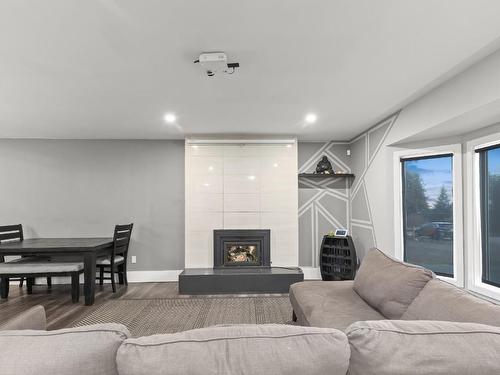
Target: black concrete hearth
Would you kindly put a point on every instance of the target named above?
(238, 280)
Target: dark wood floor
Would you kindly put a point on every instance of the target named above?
(57, 301)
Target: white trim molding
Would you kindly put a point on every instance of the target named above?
(311, 273)
(458, 241)
(153, 276)
(473, 215)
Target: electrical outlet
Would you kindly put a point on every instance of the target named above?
(134, 259)
(348, 152)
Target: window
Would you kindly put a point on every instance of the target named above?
(489, 180)
(428, 212)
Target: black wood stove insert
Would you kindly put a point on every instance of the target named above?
(242, 248)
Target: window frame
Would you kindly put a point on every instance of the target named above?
(458, 249)
(474, 222)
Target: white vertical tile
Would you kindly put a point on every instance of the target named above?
(239, 220)
(203, 221)
(248, 165)
(203, 184)
(206, 202)
(237, 184)
(199, 249)
(241, 202)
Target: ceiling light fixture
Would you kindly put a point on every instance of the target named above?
(170, 118)
(311, 118)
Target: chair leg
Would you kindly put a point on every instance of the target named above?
(4, 287)
(75, 287)
(49, 282)
(101, 275)
(113, 284)
(125, 279)
(120, 274)
(29, 284)
(21, 282)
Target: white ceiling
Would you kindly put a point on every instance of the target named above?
(112, 69)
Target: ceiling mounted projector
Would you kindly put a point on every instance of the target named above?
(216, 62)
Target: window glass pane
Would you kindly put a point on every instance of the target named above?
(490, 203)
(428, 212)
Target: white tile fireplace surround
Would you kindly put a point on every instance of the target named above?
(241, 186)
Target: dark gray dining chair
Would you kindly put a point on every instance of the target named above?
(116, 262)
(11, 233)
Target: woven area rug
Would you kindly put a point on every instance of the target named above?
(149, 317)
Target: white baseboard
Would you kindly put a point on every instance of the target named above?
(311, 273)
(153, 276)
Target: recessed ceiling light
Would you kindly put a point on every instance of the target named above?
(311, 118)
(170, 118)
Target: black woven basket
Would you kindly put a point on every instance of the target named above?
(338, 260)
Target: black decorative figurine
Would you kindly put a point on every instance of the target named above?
(324, 166)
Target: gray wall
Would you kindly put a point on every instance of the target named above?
(83, 188)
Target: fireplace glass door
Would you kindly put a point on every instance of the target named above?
(241, 254)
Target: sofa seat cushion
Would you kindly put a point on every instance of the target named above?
(239, 349)
(332, 304)
(84, 350)
(389, 285)
(395, 347)
(442, 301)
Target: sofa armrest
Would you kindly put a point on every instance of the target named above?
(33, 318)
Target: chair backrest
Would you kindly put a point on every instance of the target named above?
(121, 239)
(10, 233)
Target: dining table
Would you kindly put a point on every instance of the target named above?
(88, 249)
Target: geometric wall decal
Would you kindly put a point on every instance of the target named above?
(323, 203)
(358, 155)
(308, 150)
(337, 206)
(364, 239)
(376, 137)
(306, 241)
(363, 151)
(359, 206)
(327, 204)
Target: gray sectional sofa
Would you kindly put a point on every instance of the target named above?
(393, 319)
(385, 288)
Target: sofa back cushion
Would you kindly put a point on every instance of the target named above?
(420, 347)
(442, 301)
(84, 350)
(389, 285)
(239, 349)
